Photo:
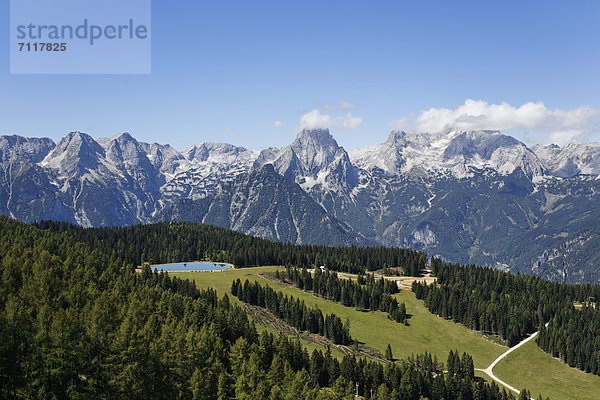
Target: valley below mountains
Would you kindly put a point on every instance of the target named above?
(471, 197)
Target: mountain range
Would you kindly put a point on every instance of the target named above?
(478, 197)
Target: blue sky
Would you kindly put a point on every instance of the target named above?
(227, 71)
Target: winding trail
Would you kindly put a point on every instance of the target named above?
(489, 369)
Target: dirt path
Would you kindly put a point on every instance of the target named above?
(488, 371)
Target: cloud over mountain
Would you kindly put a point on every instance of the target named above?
(549, 125)
(314, 119)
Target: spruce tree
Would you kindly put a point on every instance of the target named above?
(388, 353)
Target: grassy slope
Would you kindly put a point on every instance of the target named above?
(527, 367)
(530, 367)
(221, 282)
(426, 333)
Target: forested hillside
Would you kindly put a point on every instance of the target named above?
(572, 336)
(174, 242)
(513, 306)
(77, 321)
(482, 299)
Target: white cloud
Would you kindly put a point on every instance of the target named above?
(344, 105)
(564, 137)
(557, 126)
(351, 122)
(277, 124)
(315, 120)
(400, 123)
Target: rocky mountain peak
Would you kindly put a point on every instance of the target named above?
(316, 149)
(570, 160)
(77, 151)
(315, 137)
(478, 143)
(22, 149)
(78, 139)
(123, 148)
(218, 152)
(124, 137)
(452, 151)
(313, 159)
(397, 139)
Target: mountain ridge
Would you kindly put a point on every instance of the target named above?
(467, 196)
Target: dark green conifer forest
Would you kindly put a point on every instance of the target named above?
(78, 322)
(573, 337)
(365, 293)
(172, 242)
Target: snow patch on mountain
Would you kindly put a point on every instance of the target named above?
(570, 160)
(219, 153)
(452, 152)
(206, 166)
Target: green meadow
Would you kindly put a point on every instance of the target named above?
(530, 367)
(425, 332)
(526, 367)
